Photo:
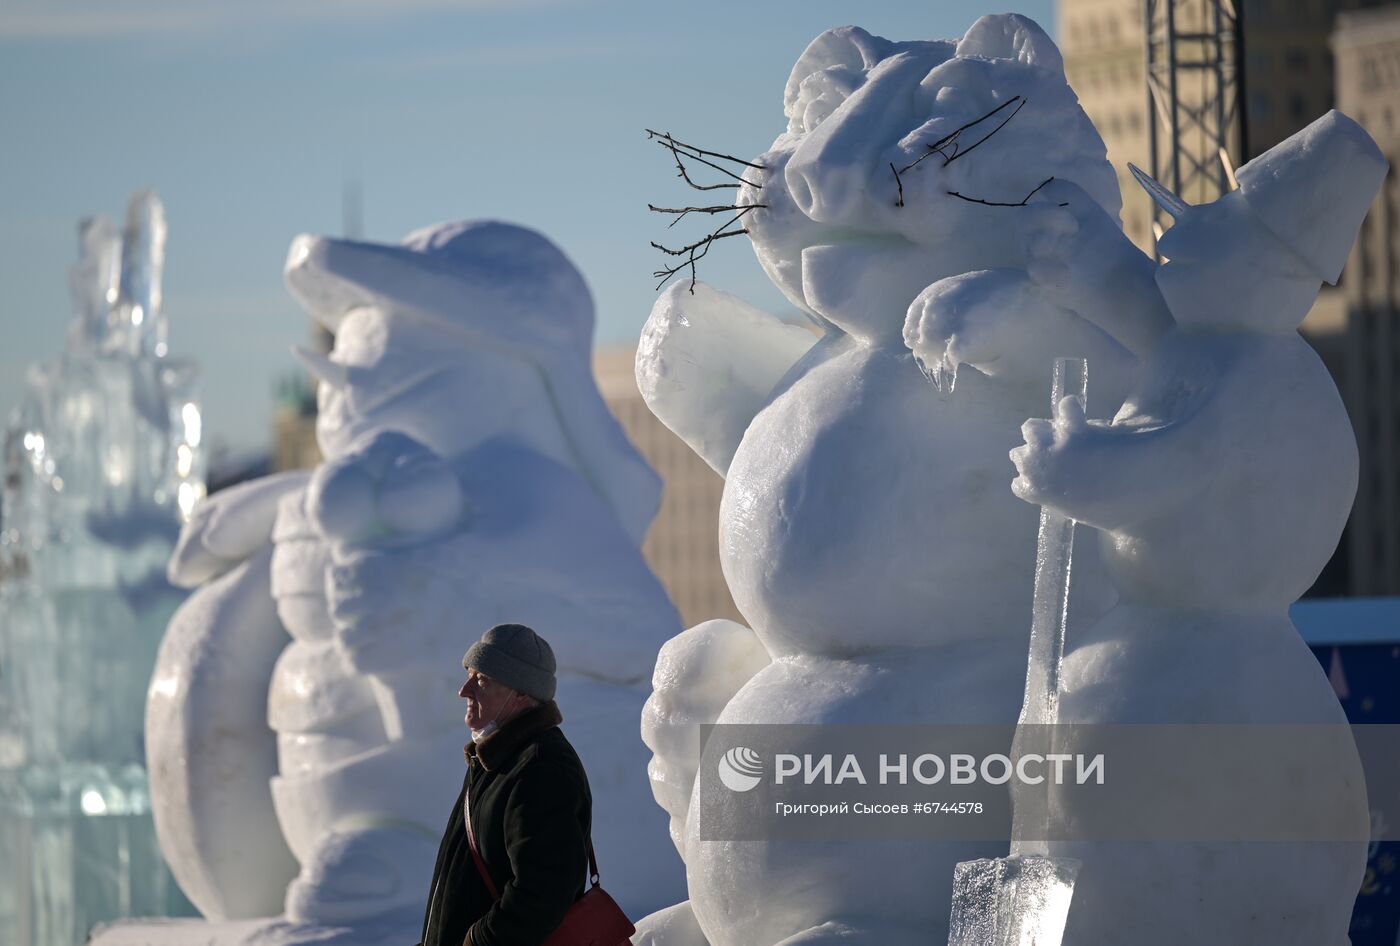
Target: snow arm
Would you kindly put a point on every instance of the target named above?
(707, 363)
(1081, 259)
(1110, 476)
(228, 527)
(997, 321)
(697, 673)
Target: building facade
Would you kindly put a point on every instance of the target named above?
(1366, 47)
(682, 547)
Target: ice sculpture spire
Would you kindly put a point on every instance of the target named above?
(140, 324)
(94, 280)
(102, 463)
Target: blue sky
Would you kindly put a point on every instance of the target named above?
(248, 118)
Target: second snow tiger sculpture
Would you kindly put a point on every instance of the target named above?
(866, 527)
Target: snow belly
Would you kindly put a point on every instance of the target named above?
(764, 890)
(863, 510)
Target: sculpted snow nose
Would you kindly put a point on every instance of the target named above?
(824, 193)
(830, 173)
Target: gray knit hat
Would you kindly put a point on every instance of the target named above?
(516, 656)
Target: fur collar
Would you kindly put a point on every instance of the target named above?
(507, 740)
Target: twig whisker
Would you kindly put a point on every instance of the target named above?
(996, 203)
(699, 151)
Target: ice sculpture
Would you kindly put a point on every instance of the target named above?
(866, 530)
(102, 463)
(1024, 898)
(473, 475)
(1221, 488)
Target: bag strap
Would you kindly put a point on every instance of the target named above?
(491, 887)
(476, 855)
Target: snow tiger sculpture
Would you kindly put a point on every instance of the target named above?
(473, 475)
(866, 529)
(1221, 489)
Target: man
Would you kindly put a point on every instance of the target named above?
(527, 796)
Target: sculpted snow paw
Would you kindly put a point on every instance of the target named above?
(388, 491)
(1109, 475)
(696, 675)
(985, 319)
(1056, 456)
(999, 322)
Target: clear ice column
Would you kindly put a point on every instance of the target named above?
(1024, 899)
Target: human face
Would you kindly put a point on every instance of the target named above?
(487, 699)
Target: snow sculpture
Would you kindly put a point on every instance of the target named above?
(102, 463)
(1221, 488)
(866, 531)
(473, 475)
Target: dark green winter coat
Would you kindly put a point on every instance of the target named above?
(531, 814)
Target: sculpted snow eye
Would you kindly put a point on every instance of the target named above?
(953, 101)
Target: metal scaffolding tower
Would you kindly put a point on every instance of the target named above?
(1195, 96)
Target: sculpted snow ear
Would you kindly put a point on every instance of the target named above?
(848, 46)
(1011, 36)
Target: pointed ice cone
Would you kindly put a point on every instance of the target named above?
(1159, 192)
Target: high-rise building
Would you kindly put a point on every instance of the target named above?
(1366, 46)
(682, 547)
(1104, 46)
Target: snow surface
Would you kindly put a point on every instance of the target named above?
(305, 712)
(1221, 489)
(866, 528)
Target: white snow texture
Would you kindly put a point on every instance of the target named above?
(870, 529)
(867, 530)
(473, 476)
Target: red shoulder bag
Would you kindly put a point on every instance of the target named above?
(595, 919)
